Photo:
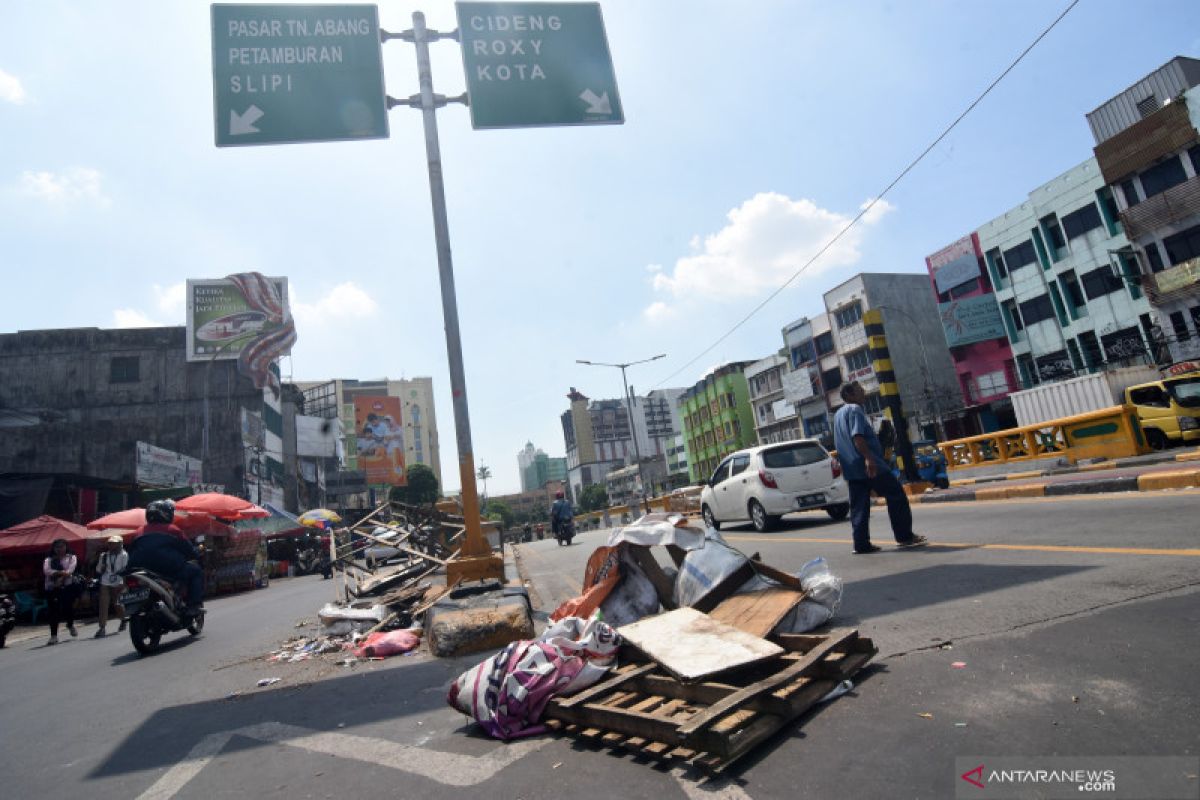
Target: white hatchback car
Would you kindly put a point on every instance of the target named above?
(764, 483)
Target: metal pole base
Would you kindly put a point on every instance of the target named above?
(474, 568)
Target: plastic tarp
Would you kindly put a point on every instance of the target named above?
(659, 529)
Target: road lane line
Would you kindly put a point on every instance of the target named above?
(715, 789)
(446, 768)
(1047, 548)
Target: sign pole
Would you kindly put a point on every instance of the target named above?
(476, 560)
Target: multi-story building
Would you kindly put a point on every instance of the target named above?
(1066, 281)
(542, 470)
(1148, 150)
(418, 415)
(677, 464)
(525, 457)
(975, 333)
(89, 418)
(717, 418)
(920, 361)
(813, 359)
(774, 415)
(531, 505)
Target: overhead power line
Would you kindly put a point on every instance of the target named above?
(866, 209)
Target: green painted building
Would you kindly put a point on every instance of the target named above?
(543, 469)
(717, 418)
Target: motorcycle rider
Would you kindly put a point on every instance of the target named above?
(560, 513)
(162, 548)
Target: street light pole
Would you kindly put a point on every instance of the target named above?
(637, 453)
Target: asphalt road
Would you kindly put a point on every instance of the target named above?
(1075, 617)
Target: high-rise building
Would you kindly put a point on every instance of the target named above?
(717, 418)
(811, 353)
(1148, 151)
(774, 415)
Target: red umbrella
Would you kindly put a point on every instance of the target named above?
(36, 536)
(222, 506)
(131, 518)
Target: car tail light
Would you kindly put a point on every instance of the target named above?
(835, 467)
(132, 583)
(768, 480)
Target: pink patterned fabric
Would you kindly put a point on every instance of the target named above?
(279, 335)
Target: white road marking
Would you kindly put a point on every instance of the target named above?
(715, 789)
(446, 768)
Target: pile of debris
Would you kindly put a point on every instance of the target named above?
(726, 663)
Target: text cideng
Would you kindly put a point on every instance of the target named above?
(516, 22)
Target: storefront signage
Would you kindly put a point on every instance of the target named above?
(972, 319)
(957, 272)
(166, 468)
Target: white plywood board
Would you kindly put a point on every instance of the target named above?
(691, 645)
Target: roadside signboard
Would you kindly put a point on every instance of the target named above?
(221, 320)
(537, 64)
(297, 73)
(159, 467)
(971, 319)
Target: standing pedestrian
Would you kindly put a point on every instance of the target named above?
(59, 569)
(865, 471)
(112, 562)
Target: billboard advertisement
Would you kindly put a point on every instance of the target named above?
(972, 319)
(379, 436)
(954, 264)
(226, 315)
(159, 467)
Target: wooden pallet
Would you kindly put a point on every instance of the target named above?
(642, 709)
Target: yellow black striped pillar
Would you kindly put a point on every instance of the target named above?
(889, 390)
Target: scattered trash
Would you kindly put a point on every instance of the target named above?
(556, 766)
(304, 623)
(839, 690)
(1074, 698)
(341, 724)
(380, 644)
(925, 716)
(959, 665)
(268, 681)
(960, 724)
(947, 646)
(232, 695)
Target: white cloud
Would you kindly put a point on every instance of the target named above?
(11, 88)
(80, 183)
(171, 300)
(659, 312)
(766, 240)
(344, 301)
(132, 318)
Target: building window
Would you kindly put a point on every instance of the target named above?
(1195, 312)
(1100, 282)
(123, 369)
(1074, 294)
(859, 359)
(1037, 310)
(873, 405)
(1183, 246)
(1020, 256)
(1130, 193)
(1050, 223)
(1163, 176)
(998, 261)
(1091, 348)
(1194, 155)
(1082, 220)
(1011, 308)
(824, 343)
(802, 353)
(831, 379)
(848, 315)
(1147, 105)
(1179, 324)
(1153, 257)
(992, 384)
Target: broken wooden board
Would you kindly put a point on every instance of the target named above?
(383, 580)
(709, 724)
(757, 613)
(692, 645)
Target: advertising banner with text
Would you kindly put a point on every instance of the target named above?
(380, 436)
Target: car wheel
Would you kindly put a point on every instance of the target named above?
(839, 511)
(709, 519)
(762, 520)
(1156, 439)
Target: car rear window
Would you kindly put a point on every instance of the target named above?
(797, 454)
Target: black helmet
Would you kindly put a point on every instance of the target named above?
(161, 511)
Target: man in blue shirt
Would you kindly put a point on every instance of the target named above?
(865, 471)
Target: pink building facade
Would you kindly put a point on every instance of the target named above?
(975, 335)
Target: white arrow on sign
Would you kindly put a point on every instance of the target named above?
(244, 123)
(596, 105)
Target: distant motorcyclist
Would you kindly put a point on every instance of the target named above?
(560, 513)
(162, 548)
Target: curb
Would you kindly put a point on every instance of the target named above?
(1150, 482)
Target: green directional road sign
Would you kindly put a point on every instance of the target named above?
(297, 73)
(536, 64)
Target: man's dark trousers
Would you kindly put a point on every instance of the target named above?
(886, 486)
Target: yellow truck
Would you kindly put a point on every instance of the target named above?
(1168, 409)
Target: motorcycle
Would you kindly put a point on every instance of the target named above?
(8, 617)
(153, 607)
(566, 532)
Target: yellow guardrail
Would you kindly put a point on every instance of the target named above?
(1108, 433)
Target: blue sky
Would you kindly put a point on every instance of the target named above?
(753, 130)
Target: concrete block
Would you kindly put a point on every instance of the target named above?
(952, 496)
(1194, 455)
(1096, 466)
(1176, 479)
(476, 623)
(1014, 476)
(1124, 483)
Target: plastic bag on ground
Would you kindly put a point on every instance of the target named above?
(705, 568)
(659, 529)
(823, 597)
(380, 644)
(507, 693)
(340, 620)
(633, 598)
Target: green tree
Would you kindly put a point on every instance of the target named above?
(593, 498)
(422, 487)
(483, 473)
(500, 511)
